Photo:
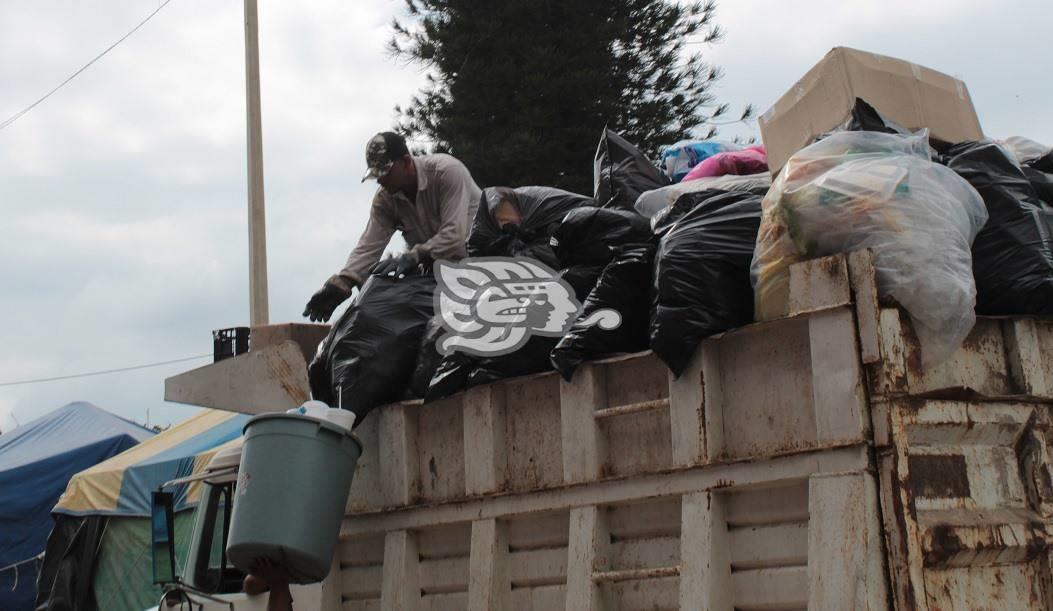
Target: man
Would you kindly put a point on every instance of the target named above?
(431, 199)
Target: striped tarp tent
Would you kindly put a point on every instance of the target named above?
(121, 486)
(36, 463)
(100, 552)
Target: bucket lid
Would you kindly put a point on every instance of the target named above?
(325, 424)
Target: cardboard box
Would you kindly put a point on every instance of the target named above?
(911, 95)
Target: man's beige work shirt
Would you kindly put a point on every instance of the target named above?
(434, 226)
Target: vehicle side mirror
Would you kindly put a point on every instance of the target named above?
(162, 520)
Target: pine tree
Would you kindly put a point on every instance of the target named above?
(520, 89)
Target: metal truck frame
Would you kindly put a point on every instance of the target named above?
(806, 462)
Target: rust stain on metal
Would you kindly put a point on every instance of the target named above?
(944, 544)
(939, 476)
(900, 516)
(831, 266)
(1033, 469)
(1037, 540)
(286, 378)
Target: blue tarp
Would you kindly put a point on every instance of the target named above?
(36, 462)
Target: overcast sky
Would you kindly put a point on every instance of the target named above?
(123, 238)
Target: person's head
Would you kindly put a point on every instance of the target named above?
(390, 163)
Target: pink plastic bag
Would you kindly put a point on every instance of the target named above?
(750, 160)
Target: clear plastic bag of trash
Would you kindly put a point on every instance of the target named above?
(857, 190)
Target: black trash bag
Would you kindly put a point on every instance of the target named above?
(1043, 163)
(369, 356)
(1041, 182)
(621, 173)
(533, 357)
(866, 118)
(1013, 253)
(664, 220)
(459, 371)
(624, 286)
(702, 273)
(451, 376)
(540, 210)
(589, 236)
(428, 358)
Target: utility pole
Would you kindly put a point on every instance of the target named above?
(258, 306)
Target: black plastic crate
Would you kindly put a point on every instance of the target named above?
(229, 342)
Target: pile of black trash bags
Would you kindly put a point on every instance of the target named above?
(675, 279)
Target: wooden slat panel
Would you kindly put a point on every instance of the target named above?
(994, 588)
(360, 605)
(366, 494)
(636, 380)
(547, 598)
(532, 418)
(705, 569)
(637, 443)
(647, 519)
(819, 283)
(401, 582)
(768, 505)
(398, 463)
(441, 450)
(586, 554)
(485, 445)
(754, 547)
(542, 530)
(444, 602)
(443, 576)
(362, 551)
(583, 446)
(650, 595)
(782, 588)
(687, 420)
(767, 409)
(535, 567)
(864, 293)
(838, 399)
(489, 586)
(362, 582)
(645, 553)
(452, 540)
(846, 567)
(790, 468)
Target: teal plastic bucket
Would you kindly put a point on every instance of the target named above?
(292, 488)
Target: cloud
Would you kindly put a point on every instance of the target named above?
(123, 195)
(770, 44)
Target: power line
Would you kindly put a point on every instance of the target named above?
(47, 95)
(105, 371)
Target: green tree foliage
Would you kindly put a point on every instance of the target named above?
(520, 89)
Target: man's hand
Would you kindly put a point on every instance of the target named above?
(322, 303)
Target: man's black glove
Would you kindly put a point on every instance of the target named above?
(404, 264)
(322, 303)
